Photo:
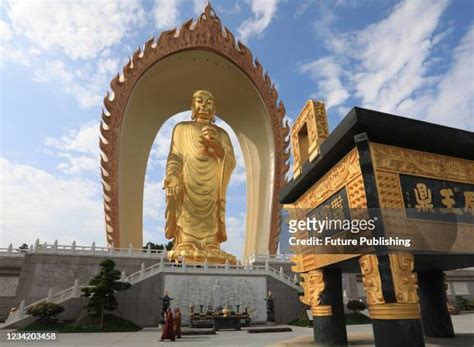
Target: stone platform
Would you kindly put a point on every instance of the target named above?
(45, 277)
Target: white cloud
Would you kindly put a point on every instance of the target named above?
(78, 34)
(78, 150)
(35, 204)
(84, 140)
(166, 13)
(327, 75)
(199, 5)
(389, 66)
(453, 102)
(154, 201)
(263, 13)
(6, 32)
(87, 84)
(392, 54)
(235, 229)
(81, 29)
(8, 52)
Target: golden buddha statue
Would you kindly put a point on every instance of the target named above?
(198, 170)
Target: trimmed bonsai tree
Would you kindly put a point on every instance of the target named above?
(356, 306)
(45, 312)
(157, 246)
(102, 288)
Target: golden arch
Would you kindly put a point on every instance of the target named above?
(157, 83)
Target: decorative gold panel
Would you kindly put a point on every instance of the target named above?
(308, 132)
(313, 285)
(346, 170)
(408, 161)
(346, 173)
(372, 283)
(405, 285)
(389, 163)
(404, 279)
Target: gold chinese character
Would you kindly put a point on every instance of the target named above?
(449, 202)
(423, 198)
(469, 202)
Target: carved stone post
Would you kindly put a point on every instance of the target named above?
(323, 292)
(393, 300)
(37, 242)
(434, 310)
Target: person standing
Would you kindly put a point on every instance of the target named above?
(177, 323)
(168, 332)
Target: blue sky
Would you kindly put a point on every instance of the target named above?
(411, 58)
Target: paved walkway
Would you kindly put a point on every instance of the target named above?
(359, 335)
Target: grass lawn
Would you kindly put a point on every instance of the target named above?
(88, 324)
(351, 318)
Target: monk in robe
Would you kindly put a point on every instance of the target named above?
(177, 323)
(198, 170)
(168, 332)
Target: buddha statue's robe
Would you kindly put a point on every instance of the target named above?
(197, 214)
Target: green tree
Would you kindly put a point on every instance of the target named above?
(152, 246)
(45, 312)
(156, 246)
(102, 288)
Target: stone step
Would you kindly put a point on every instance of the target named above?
(268, 330)
(198, 331)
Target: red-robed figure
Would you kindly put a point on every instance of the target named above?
(177, 323)
(168, 332)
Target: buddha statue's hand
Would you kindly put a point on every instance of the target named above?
(211, 143)
(172, 185)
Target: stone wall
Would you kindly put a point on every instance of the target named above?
(34, 274)
(41, 272)
(141, 303)
(37, 273)
(218, 290)
(288, 306)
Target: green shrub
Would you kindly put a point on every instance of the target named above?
(45, 312)
(356, 305)
(463, 303)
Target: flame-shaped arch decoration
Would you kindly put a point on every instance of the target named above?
(207, 34)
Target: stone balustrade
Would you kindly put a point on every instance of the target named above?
(73, 249)
(261, 258)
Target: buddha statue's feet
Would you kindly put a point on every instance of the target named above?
(184, 251)
(218, 256)
(193, 255)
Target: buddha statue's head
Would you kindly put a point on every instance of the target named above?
(203, 107)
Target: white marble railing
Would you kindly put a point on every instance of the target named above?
(57, 298)
(147, 272)
(74, 249)
(210, 269)
(280, 258)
